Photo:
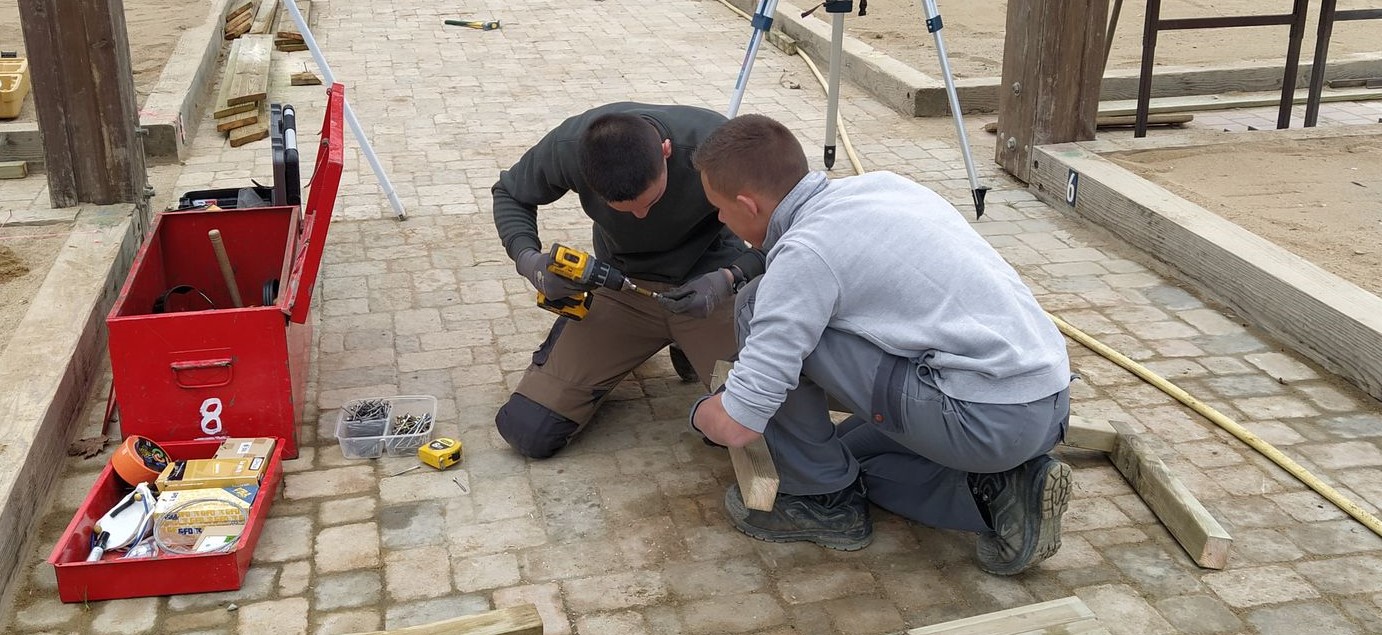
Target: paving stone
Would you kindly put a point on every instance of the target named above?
(47, 612)
(294, 578)
(258, 585)
(346, 510)
(1122, 607)
(486, 572)
(1114, 536)
(1334, 537)
(1199, 614)
(1210, 322)
(1281, 366)
(1093, 513)
(824, 582)
(615, 591)
(485, 538)
(732, 614)
(401, 578)
(285, 538)
(342, 622)
(346, 590)
(1302, 617)
(547, 599)
(201, 622)
(358, 479)
(1247, 587)
(1231, 344)
(422, 485)
(1334, 456)
(1173, 298)
(412, 525)
(405, 614)
(864, 616)
(1153, 573)
(276, 617)
(1364, 574)
(1225, 365)
(1235, 386)
(1358, 426)
(570, 560)
(649, 542)
(347, 548)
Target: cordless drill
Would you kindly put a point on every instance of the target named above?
(586, 270)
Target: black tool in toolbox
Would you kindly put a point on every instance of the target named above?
(287, 186)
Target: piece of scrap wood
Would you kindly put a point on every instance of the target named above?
(249, 79)
(13, 169)
(514, 620)
(238, 120)
(1066, 615)
(1193, 526)
(221, 108)
(287, 27)
(753, 463)
(264, 17)
(253, 132)
(306, 78)
(1090, 434)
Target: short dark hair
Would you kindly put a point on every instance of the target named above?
(621, 156)
(752, 152)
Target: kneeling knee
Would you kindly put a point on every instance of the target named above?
(532, 429)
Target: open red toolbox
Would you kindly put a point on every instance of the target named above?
(187, 364)
(115, 577)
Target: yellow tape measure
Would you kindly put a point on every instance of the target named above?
(440, 453)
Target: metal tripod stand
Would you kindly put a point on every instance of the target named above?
(933, 26)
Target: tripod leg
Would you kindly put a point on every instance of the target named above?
(832, 107)
(933, 26)
(762, 21)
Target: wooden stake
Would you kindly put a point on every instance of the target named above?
(753, 464)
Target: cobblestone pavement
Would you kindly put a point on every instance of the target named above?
(623, 532)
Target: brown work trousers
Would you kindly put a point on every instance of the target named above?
(578, 365)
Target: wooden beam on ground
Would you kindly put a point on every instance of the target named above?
(514, 620)
(753, 464)
(265, 17)
(305, 78)
(83, 86)
(252, 132)
(1065, 616)
(1193, 526)
(287, 34)
(1052, 65)
(221, 108)
(238, 120)
(249, 79)
(1121, 121)
(13, 169)
(1090, 434)
(1226, 102)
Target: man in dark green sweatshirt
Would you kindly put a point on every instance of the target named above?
(630, 164)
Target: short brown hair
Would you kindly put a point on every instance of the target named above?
(752, 152)
(621, 156)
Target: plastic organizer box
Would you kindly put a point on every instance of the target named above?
(392, 426)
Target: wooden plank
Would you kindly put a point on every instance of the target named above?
(305, 78)
(1090, 434)
(1053, 59)
(514, 620)
(239, 8)
(238, 120)
(1193, 526)
(1033, 618)
(753, 464)
(1115, 121)
(252, 132)
(1323, 316)
(84, 97)
(290, 46)
(14, 169)
(287, 28)
(265, 17)
(221, 108)
(249, 79)
(1228, 102)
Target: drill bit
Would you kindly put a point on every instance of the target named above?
(630, 286)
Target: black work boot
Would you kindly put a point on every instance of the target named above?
(1024, 507)
(839, 520)
(682, 364)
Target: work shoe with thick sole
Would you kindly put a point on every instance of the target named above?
(839, 520)
(682, 364)
(1024, 507)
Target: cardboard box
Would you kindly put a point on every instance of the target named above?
(205, 473)
(184, 524)
(240, 448)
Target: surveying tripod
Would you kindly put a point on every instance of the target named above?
(762, 21)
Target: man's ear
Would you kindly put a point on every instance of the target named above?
(750, 203)
(666, 148)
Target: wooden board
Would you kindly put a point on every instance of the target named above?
(287, 28)
(305, 78)
(221, 108)
(252, 132)
(1118, 121)
(239, 8)
(1226, 102)
(1323, 316)
(290, 46)
(1090, 434)
(753, 464)
(238, 120)
(13, 169)
(1193, 526)
(265, 17)
(249, 77)
(515, 620)
(1066, 615)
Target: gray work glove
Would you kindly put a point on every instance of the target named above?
(701, 296)
(532, 264)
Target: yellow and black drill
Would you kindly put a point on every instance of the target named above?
(586, 270)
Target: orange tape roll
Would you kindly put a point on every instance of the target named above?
(138, 460)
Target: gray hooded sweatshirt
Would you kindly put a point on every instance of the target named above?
(888, 260)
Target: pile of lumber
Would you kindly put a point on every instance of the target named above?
(287, 37)
(251, 17)
(242, 107)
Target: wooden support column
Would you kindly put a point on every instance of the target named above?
(79, 60)
(1053, 61)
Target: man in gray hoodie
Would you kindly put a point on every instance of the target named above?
(878, 293)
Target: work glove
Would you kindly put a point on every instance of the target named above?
(701, 296)
(691, 418)
(532, 264)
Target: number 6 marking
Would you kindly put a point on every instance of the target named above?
(211, 416)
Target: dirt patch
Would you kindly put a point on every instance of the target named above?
(153, 26)
(974, 33)
(1320, 199)
(26, 255)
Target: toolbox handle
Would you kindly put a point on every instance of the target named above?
(212, 380)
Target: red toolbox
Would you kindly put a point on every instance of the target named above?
(115, 577)
(186, 363)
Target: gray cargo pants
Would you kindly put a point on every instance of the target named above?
(914, 445)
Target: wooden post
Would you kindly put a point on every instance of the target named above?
(1053, 59)
(79, 60)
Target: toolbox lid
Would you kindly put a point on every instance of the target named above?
(326, 181)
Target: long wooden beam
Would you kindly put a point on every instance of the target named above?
(1066, 616)
(79, 60)
(515, 620)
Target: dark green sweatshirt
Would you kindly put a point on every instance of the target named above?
(680, 238)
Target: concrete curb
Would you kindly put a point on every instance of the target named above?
(916, 94)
